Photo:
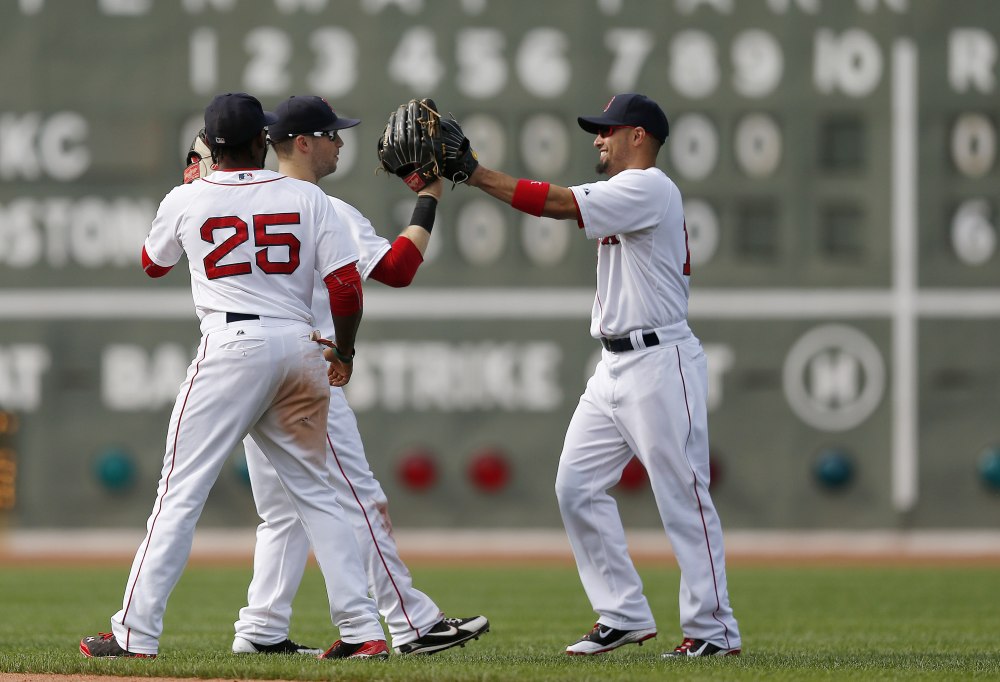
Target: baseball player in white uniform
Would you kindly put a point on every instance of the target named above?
(255, 240)
(307, 145)
(647, 396)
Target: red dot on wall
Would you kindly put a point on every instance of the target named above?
(633, 476)
(417, 470)
(489, 471)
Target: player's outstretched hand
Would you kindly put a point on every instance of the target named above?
(458, 158)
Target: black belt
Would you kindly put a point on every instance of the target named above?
(239, 317)
(625, 343)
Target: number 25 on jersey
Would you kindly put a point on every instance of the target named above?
(261, 237)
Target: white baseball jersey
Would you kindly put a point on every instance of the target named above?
(282, 547)
(646, 400)
(255, 241)
(642, 255)
(236, 243)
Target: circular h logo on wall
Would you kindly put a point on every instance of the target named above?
(834, 377)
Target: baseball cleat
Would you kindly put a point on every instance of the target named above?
(447, 633)
(603, 638)
(699, 647)
(104, 645)
(245, 646)
(374, 648)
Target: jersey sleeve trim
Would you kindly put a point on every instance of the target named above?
(579, 215)
(583, 222)
(151, 268)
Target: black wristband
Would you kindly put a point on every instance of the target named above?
(424, 212)
(345, 358)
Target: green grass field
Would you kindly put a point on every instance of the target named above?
(798, 623)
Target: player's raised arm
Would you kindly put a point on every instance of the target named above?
(422, 218)
(399, 265)
(460, 164)
(535, 197)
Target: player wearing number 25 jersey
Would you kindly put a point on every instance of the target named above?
(254, 241)
(647, 396)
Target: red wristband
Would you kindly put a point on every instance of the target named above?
(529, 196)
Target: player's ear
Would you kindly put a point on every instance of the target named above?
(641, 137)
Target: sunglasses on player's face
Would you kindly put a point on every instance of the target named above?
(332, 134)
(608, 131)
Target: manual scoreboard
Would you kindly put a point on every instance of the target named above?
(838, 160)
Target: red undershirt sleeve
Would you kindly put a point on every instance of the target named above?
(398, 266)
(344, 285)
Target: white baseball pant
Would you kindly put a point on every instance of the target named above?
(265, 377)
(282, 548)
(651, 403)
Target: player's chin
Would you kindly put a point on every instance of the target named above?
(601, 167)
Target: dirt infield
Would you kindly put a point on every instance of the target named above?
(539, 546)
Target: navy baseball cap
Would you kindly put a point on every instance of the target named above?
(235, 118)
(630, 109)
(306, 114)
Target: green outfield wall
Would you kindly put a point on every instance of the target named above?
(838, 160)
